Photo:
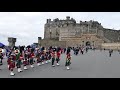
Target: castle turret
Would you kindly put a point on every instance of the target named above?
(39, 41)
(67, 17)
(48, 20)
(11, 41)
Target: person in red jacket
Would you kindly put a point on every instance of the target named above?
(11, 63)
(32, 56)
(29, 51)
(25, 61)
(58, 57)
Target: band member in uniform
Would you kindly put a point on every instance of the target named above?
(25, 62)
(32, 56)
(53, 57)
(42, 57)
(29, 51)
(1, 57)
(46, 57)
(82, 50)
(11, 63)
(49, 56)
(68, 61)
(19, 58)
(58, 57)
(38, 58)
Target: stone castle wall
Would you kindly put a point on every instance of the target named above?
(47, 43)
(69, 28)
(114, 46)
(112, 35)
(57, 32)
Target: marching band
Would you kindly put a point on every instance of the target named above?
(18, 58)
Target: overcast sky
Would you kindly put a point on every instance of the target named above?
(28, 26)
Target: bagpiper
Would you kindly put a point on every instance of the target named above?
(46, 57)
(53, 57)
(49, 55)
(25, 62)
(11, 64)
(68, 61)
(38, 58)
(58, 57)
(32, 56)
(29, 51)
(19, 59)
(42, 56)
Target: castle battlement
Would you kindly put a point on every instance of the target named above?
(68, 32)
(71, 21)
(61, 21)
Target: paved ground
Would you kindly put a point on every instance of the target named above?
(94, 64)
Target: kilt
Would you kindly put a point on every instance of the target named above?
(25, 62)
(67, 63)
(11, 65)
(19, 63)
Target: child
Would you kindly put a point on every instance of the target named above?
(68, 59)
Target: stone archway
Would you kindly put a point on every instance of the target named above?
(88, 43)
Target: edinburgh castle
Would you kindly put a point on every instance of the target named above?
(70, 33)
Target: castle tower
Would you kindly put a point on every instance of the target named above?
(39, 41)
(67, 17)
(11, 41)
